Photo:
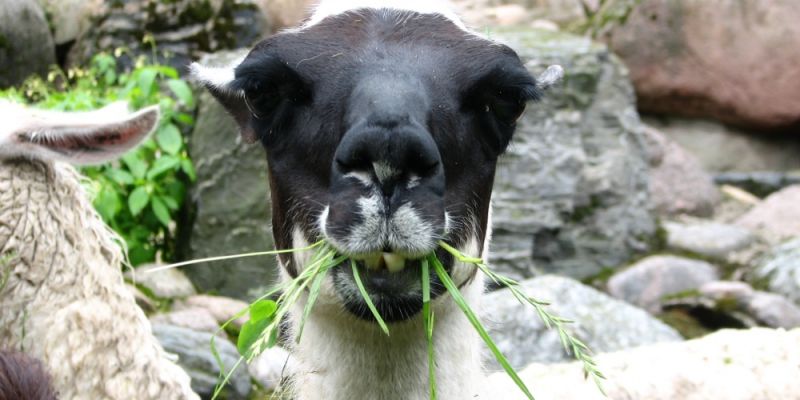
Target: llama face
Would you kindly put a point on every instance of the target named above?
(382, 130)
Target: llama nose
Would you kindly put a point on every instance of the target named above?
(392, 149)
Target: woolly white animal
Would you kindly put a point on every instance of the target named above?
(382, 123)
(62, 295)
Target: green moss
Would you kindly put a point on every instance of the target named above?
(684, 323)
(4, 42)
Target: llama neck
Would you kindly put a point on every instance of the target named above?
(341, 357)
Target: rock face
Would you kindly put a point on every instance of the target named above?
(647, 282)
(185, 29)
(777, 217)
(195, 356)
(169, 283)
(231, 202)
(26, 45)
(732, 61)
(678, 183)
(571, 193)
(753, 152)
(70, 18)
(781, 270)
(603, 323)
(709, 239)
(756, 364)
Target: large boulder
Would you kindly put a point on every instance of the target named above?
(183, 30)
(69, 18)
(730, 60)
(571, 193)
(756, 364)
(603, 323)
(26, 45)
(232, 212)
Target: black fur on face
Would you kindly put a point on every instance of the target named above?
(382, 131)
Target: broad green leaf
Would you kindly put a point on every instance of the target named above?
(120, 176)
(107, 203)
(262, 314)
(182, 91)
(170, 202)
(263, 309)
(147, 81)
(160, 210)
(161, 165)
(169, 139)
(138, 200)
(135, 164)
(188, 168)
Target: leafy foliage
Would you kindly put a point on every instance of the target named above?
(140, 195)
(604, 16)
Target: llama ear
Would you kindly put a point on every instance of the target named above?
(219, 82)
(552, 75)
(80, 138)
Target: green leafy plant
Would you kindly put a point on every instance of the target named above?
(140, 195)
(260, 332)
(603, 16)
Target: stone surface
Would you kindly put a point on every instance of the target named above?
(780, 270)
(694, 58)
(70, 18)
(183, 29)
(196, 319)
(777, 218)
(753, 152)
(221, 308)
(647, 282)
(774, 310)
(709, 239)
(755, 364)
(286, 13)
(195, 357)
(759, 183)
(169, 283)
(678, 183)
(571, 193)
(26, 45)
(490, 13)
(270, 367)
(603, 323)
(231, 207)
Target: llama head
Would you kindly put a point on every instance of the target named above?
(382, 130)
(75, 137)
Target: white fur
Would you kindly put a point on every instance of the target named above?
(65, 301)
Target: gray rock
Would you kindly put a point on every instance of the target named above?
(780, 269)
(232, 212)
(709, 239)
(733, 149)
(777, 218)
(26, 45)
(169, 283)
(774, 310)
(186, 29)
(647, 282)
(196, 319)
(69, 18)
(195, 357)
(269, 368)
(603, 323)
(571, 194)
(678, 183)
(221, 308)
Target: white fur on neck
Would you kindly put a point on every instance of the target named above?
(327, 8)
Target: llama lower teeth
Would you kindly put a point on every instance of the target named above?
(394, 262)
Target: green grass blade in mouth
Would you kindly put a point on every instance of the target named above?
(367, 300)
(313, 293)
(427, 317)
(234, 256)
(473, 319)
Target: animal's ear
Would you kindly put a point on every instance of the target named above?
(500, 96)
(80, 138)
(260, 92)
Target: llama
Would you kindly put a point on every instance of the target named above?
(382, 123)
(63, 299)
